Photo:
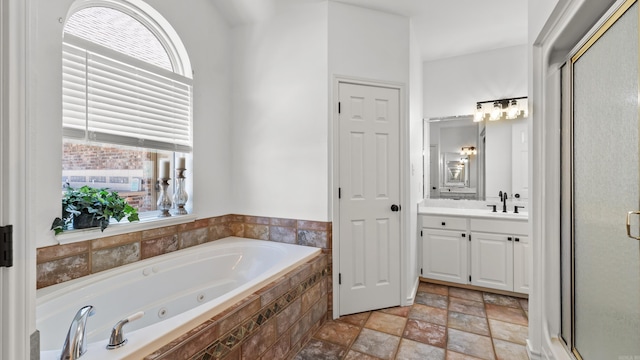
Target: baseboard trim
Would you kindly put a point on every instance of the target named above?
(412, 297)
(473, 287)
(532, 354)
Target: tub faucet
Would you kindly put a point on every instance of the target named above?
(75, 342)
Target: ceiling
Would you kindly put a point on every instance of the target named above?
(447, 28)
(443, 28)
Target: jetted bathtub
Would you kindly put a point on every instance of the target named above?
(176, 291)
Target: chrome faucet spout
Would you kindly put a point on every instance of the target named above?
(75, 342)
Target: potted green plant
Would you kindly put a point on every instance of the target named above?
(87, 207)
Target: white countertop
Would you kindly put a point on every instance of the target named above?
(477, 213)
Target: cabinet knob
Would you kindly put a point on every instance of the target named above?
(509, 238)
(443, 223)
(517, 239)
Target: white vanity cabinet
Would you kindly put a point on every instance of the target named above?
(521, 264)
(490, 251)
(500, 254)
(445, 248)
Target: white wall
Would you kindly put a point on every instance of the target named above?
(211, 109)
(538, 14)
(279, 144)
(368, 44)
(416, 172)
(206, 37)
(452, 86)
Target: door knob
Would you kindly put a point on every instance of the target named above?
(395, 208)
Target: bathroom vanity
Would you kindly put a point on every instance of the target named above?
(476, 247)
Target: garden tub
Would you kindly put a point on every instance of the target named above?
(176, 292)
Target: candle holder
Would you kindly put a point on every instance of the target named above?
(164, 200)
(180, 195)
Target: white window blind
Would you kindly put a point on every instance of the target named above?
(109, 97)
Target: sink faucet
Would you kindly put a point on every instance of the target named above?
(503, 198)
(75, 342)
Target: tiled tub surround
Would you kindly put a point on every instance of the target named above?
(273, 323)
(60, 263)
(250, 297)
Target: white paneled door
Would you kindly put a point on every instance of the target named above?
(369, 195)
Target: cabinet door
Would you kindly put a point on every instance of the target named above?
(521, 264)
(492, 261)
(444, 255)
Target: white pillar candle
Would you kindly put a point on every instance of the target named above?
(181, 163)
(164, 169)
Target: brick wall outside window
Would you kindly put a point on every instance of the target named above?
(115, 168)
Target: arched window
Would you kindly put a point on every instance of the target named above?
(127, 98)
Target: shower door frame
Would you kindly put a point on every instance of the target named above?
(567, 120)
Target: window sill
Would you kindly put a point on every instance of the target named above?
(123, 227)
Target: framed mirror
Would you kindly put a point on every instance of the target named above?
(500, 162)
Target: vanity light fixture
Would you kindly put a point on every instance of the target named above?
(468, 150)
(501, 109)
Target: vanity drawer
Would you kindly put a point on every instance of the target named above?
(512, 227)
(444, 222)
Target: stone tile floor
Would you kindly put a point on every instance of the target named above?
(444, 323)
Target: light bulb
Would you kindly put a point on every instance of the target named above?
(496, 112)
(512, 111)
(479, 115)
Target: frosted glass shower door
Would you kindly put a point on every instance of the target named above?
(606, 268)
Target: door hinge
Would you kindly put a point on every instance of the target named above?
(339, 278)
(469, 237)
(420, 271)
(339, 107)
(421, 233)
(339, 193)
(6, 246)
(469, 278)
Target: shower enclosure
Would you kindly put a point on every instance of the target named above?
(600, 187)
